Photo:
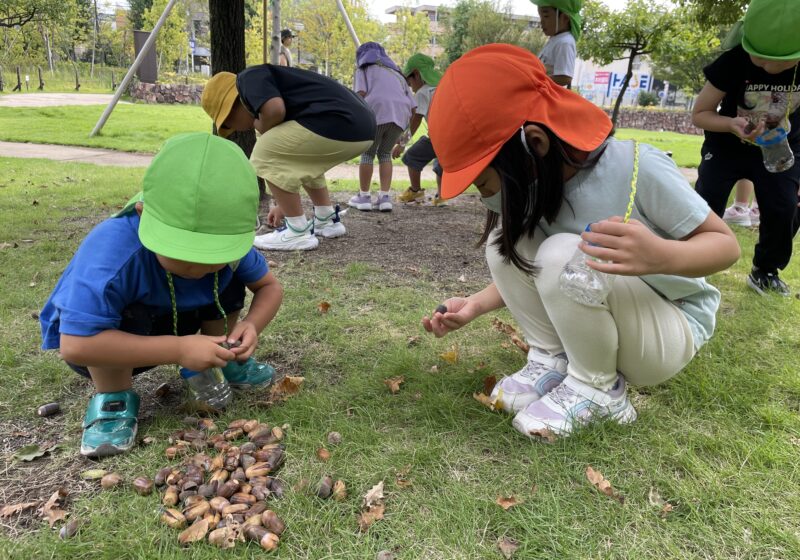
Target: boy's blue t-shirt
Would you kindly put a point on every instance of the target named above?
(112, 270)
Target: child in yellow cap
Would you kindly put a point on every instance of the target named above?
(308, 124)
(139, 289)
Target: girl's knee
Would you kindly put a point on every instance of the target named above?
(556, 250)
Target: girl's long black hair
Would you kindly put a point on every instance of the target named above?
(532, 188)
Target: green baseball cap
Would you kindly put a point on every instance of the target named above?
(771, 29)
(570, 7)
(200, 198)
(425, 65)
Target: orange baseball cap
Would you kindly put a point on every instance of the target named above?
(486, 96)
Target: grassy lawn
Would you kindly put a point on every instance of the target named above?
(142, 128)
(720, 442)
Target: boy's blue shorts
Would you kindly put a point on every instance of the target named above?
(144, 321)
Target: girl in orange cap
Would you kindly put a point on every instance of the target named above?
(545, 166)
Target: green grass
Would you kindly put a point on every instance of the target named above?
(719, 442)
(685, 148)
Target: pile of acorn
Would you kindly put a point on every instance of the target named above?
(223, 497)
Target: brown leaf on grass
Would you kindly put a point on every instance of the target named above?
(451, 356)
(504, 328)
(339, 491)
(507, 546)
(545, 434)
(412, 341)
(285, 388)
(507, 502)
(603, 486)
(521, 344)
(655, 500)
(323, 307)
(487, 401)
(50, 509)
(194, 532)
(488, 384)
(369, 516)
(394, 383)
(13, 509)
(505, 345)
(323, 454)
(374, 496)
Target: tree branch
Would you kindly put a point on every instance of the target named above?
(22, 19)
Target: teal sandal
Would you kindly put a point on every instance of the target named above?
(110, 424)
(249, 374)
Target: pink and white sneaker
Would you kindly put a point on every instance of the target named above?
(737, 215)
(542, 373)
(755, 216)
(571, 404)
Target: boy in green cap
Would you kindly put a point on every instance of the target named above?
(755, 85)
(423, 78)
(138, 289)
(561, 22)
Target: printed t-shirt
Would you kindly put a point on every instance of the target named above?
(318, 103)
(665, 203)
(112, 270)
(754, 94)
(387, 94)
(558, 55)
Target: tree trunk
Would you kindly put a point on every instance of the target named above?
(94, 38)
(276, 31)
(624, 88)
(226, 18)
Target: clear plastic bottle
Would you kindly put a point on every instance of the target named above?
(775, 150)
(208, 387)
(583, 284)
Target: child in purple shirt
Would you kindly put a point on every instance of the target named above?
(379, 81)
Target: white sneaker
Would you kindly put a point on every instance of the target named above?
(571, 404)
(330, 226)
(287, 239)
(542, 373)
(384, 202)
(737, 215)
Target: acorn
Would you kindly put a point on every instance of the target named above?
(271, 521)
(193, 435)
(234, 509)
(175, 477)
(258, 469)
(218, 462)
(161, 476)
(218, 503)
(325, 488)
(260, 492)
(170, 497)
(242, 498)
(277, 488)
(197, 510)
(183, 496)
(231, 462)
(110, 481)
(219, 476)
(192, 500)
(143, 486)
(207, 424)
(233, 433)
(249, 426)
(207, 490)
(48, 410)
(188, 485)
(203, 461)
(228, 489)
(253, 520)
(236, 424)
(259, 431)
(247, 460)
(239, 474)
(224, 537)
(277, 432)
(268, 541)
(276, 458)
(260, 480)
(173, 518)
(248, 447)
(213, 518)
(245, 487)
(171, 452)
(222, 446)
(69, 529)
(256, 509)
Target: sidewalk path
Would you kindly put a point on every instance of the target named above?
(53, 99)
(99, 156)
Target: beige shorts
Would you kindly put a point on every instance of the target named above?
(290, 156)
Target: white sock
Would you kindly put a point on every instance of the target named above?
(323, 212)
(297, 223)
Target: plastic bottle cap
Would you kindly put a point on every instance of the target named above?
(772, 137)
(187, 373)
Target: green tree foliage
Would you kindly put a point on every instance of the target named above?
(473, 23)
(172, 42)
(717, 12)
(137, 11)
(18, 13)
(642, 28)
(410, 34)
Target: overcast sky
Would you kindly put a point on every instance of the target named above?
(379, 7)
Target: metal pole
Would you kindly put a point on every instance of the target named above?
(348, 23)
(264, 33)
(136, 63)
(276, 32)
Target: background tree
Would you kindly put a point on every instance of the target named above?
(717, 12)
(408, 35)
(17, 13)
(172, 42)
(136, 13)
(473, 23)
(642, 28)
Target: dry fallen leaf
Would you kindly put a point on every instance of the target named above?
(507, 502)
(369, 516)
(489, 402)
(50, 509)
(545, 434)
(655, 500)
(394, 383)
(508, 547)
(323, 307)
(451, 356)
(195, 532)
(285, 388)
(323, 454)
(488, 384)
(504, 328)
(521, 344)
(13, 509)
(374, 495)
(339, 491)
(602, 485)
(412, 341)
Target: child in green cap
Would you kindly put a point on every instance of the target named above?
(755, 86)
(423, 78)
(138, 289)
(561, 22)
